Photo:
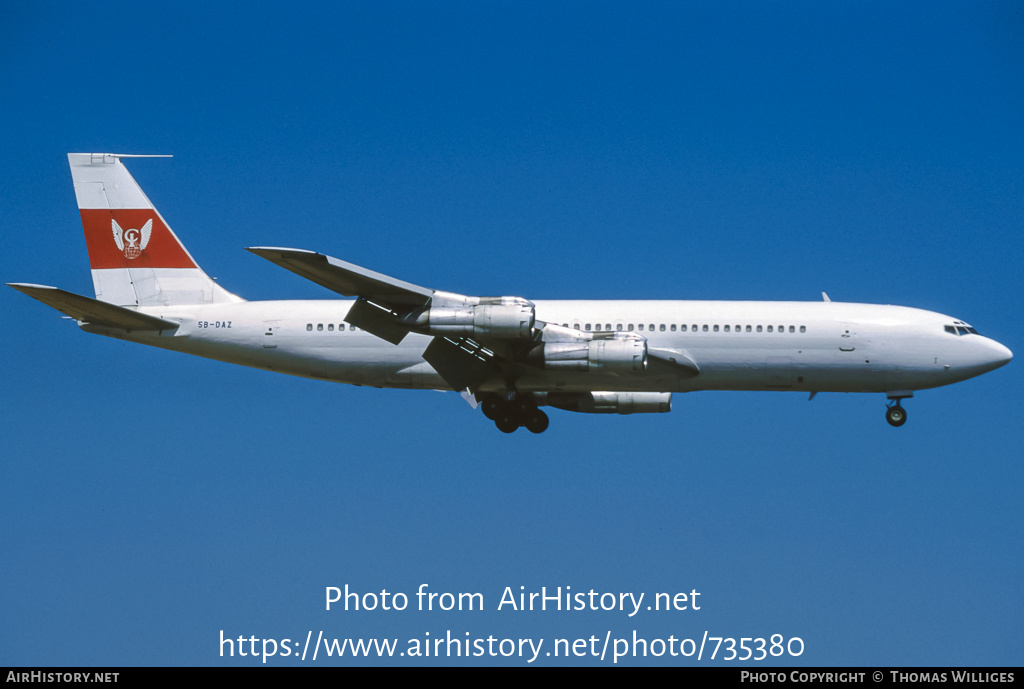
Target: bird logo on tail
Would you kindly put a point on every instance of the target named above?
(132, 242)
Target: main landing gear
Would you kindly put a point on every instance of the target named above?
(509, 414)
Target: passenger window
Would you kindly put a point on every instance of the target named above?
(651, 327)
(319, 326)
(726, 328)
(748, 328)
(641, 326)
(588, 327)
(608, 326)
(576, 326)
(683, 327)
(705, 328)
(716, 328)
(782, 328)
(673, 327)
(309, 326)
(330, 327)
(662, 327)
(618, 326)
(803, 328)
(630, 326)
(769, 328)
(792, 329)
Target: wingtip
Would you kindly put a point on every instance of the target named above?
(257, 249)
(22, 286)
(278, 252)
(125, 155)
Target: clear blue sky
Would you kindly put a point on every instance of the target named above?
(730, 150)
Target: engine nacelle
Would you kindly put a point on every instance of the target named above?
(608, 402)
(506, 317)
(625, 355)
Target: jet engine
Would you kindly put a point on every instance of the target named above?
(608, 402)
(502, 317)
(620, 355)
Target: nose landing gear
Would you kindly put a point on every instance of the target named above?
(896, 415)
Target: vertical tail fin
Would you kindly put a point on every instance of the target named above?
(136, 259)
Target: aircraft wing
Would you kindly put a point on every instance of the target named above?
(88, 310)
(382, 301)
(345, 278)
(475, 338)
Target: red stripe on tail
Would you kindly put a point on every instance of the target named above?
(121, 239)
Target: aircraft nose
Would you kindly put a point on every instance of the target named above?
(995, 355)
(1002, 355)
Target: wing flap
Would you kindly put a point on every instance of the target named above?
(88, 310)
(463, 364)
(376, 320)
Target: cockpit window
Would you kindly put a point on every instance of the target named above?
(960, 329)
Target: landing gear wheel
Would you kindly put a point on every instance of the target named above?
(507, 423)
(536, 421)
(492, 406)
(521, 407)
(896, 415)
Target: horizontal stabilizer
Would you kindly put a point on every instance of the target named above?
(346, 278)
(88, 310)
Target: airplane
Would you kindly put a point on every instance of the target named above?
(507, 355)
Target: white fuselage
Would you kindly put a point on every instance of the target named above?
(737, 345)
